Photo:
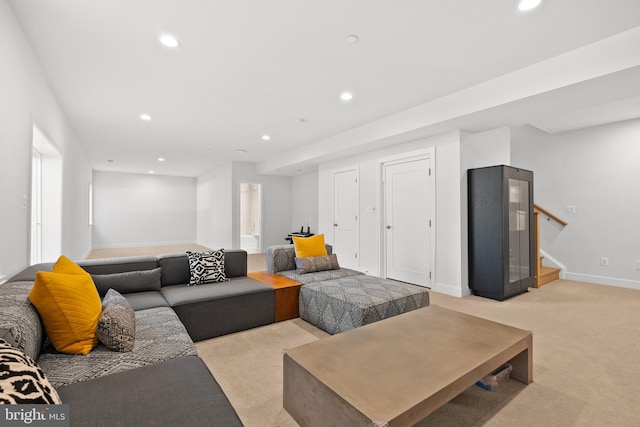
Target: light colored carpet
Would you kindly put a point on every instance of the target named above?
(586, 362)
(144, 250)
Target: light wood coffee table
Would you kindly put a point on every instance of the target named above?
(397, 371)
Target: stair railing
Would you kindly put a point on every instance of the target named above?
(537, 210)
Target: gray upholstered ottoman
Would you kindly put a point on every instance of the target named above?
(339, 305)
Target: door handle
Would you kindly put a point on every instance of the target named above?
(335, 225)
(388, 227)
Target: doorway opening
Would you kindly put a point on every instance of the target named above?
(46, 199)
(251, 217)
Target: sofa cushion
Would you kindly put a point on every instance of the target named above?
(119, 265)
(319, 276)
(29, 273)
(175, 269)
(117, 323)
(20, 324)
(206, 267)
(146, 300)
(177, 392)
(21, 379)
(342, 304)
(317, 263)
(69, 306)
(283, 257)
(216, 309)
(159, 336)
(184, 294)
(127, 282)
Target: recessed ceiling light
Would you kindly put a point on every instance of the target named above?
(151, 172)
(161, 159)
(266, 137)
(169, 41)
(145, 117)
(241, 151)
(525, 5)
(346, 96)
(352, 38)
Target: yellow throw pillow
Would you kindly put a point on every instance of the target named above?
(309, 246)
(69, 306)
(65, 266)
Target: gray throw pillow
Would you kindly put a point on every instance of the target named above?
(117, 323)
(128, 282)
(206, 267)
(22, 380)
(317, 263)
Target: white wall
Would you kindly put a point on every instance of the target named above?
(304, 201)
(276, 204)
(598, 171)
(142, 209)
(448, 249)
(478, 150)
(214, 208)
(26, 97)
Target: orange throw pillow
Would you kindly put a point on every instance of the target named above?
(69, 305)
(309, 246)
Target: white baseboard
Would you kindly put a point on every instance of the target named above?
(143, 244)
(602, 280)
(454, 291)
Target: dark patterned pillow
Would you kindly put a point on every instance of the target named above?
(117, 323)
(317, 263)
(22, 380)
(206, 267)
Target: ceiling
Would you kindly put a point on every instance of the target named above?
(247, 68)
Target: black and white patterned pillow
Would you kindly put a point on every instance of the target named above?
(117, 323)
(317, 263)
(206, 267)
(22, 380)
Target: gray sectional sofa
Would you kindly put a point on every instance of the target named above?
(162, 381)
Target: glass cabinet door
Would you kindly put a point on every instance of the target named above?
(519, 244)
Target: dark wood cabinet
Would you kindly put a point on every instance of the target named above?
(501, 239)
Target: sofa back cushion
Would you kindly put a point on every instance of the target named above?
(128, 282)
(20, 324)
(175, 267)
(283, 257)
(118, 265)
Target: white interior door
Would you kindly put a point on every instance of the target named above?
(345, 223)
(408, 221)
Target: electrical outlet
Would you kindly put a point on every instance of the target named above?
(571, 209)
(604, 261)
